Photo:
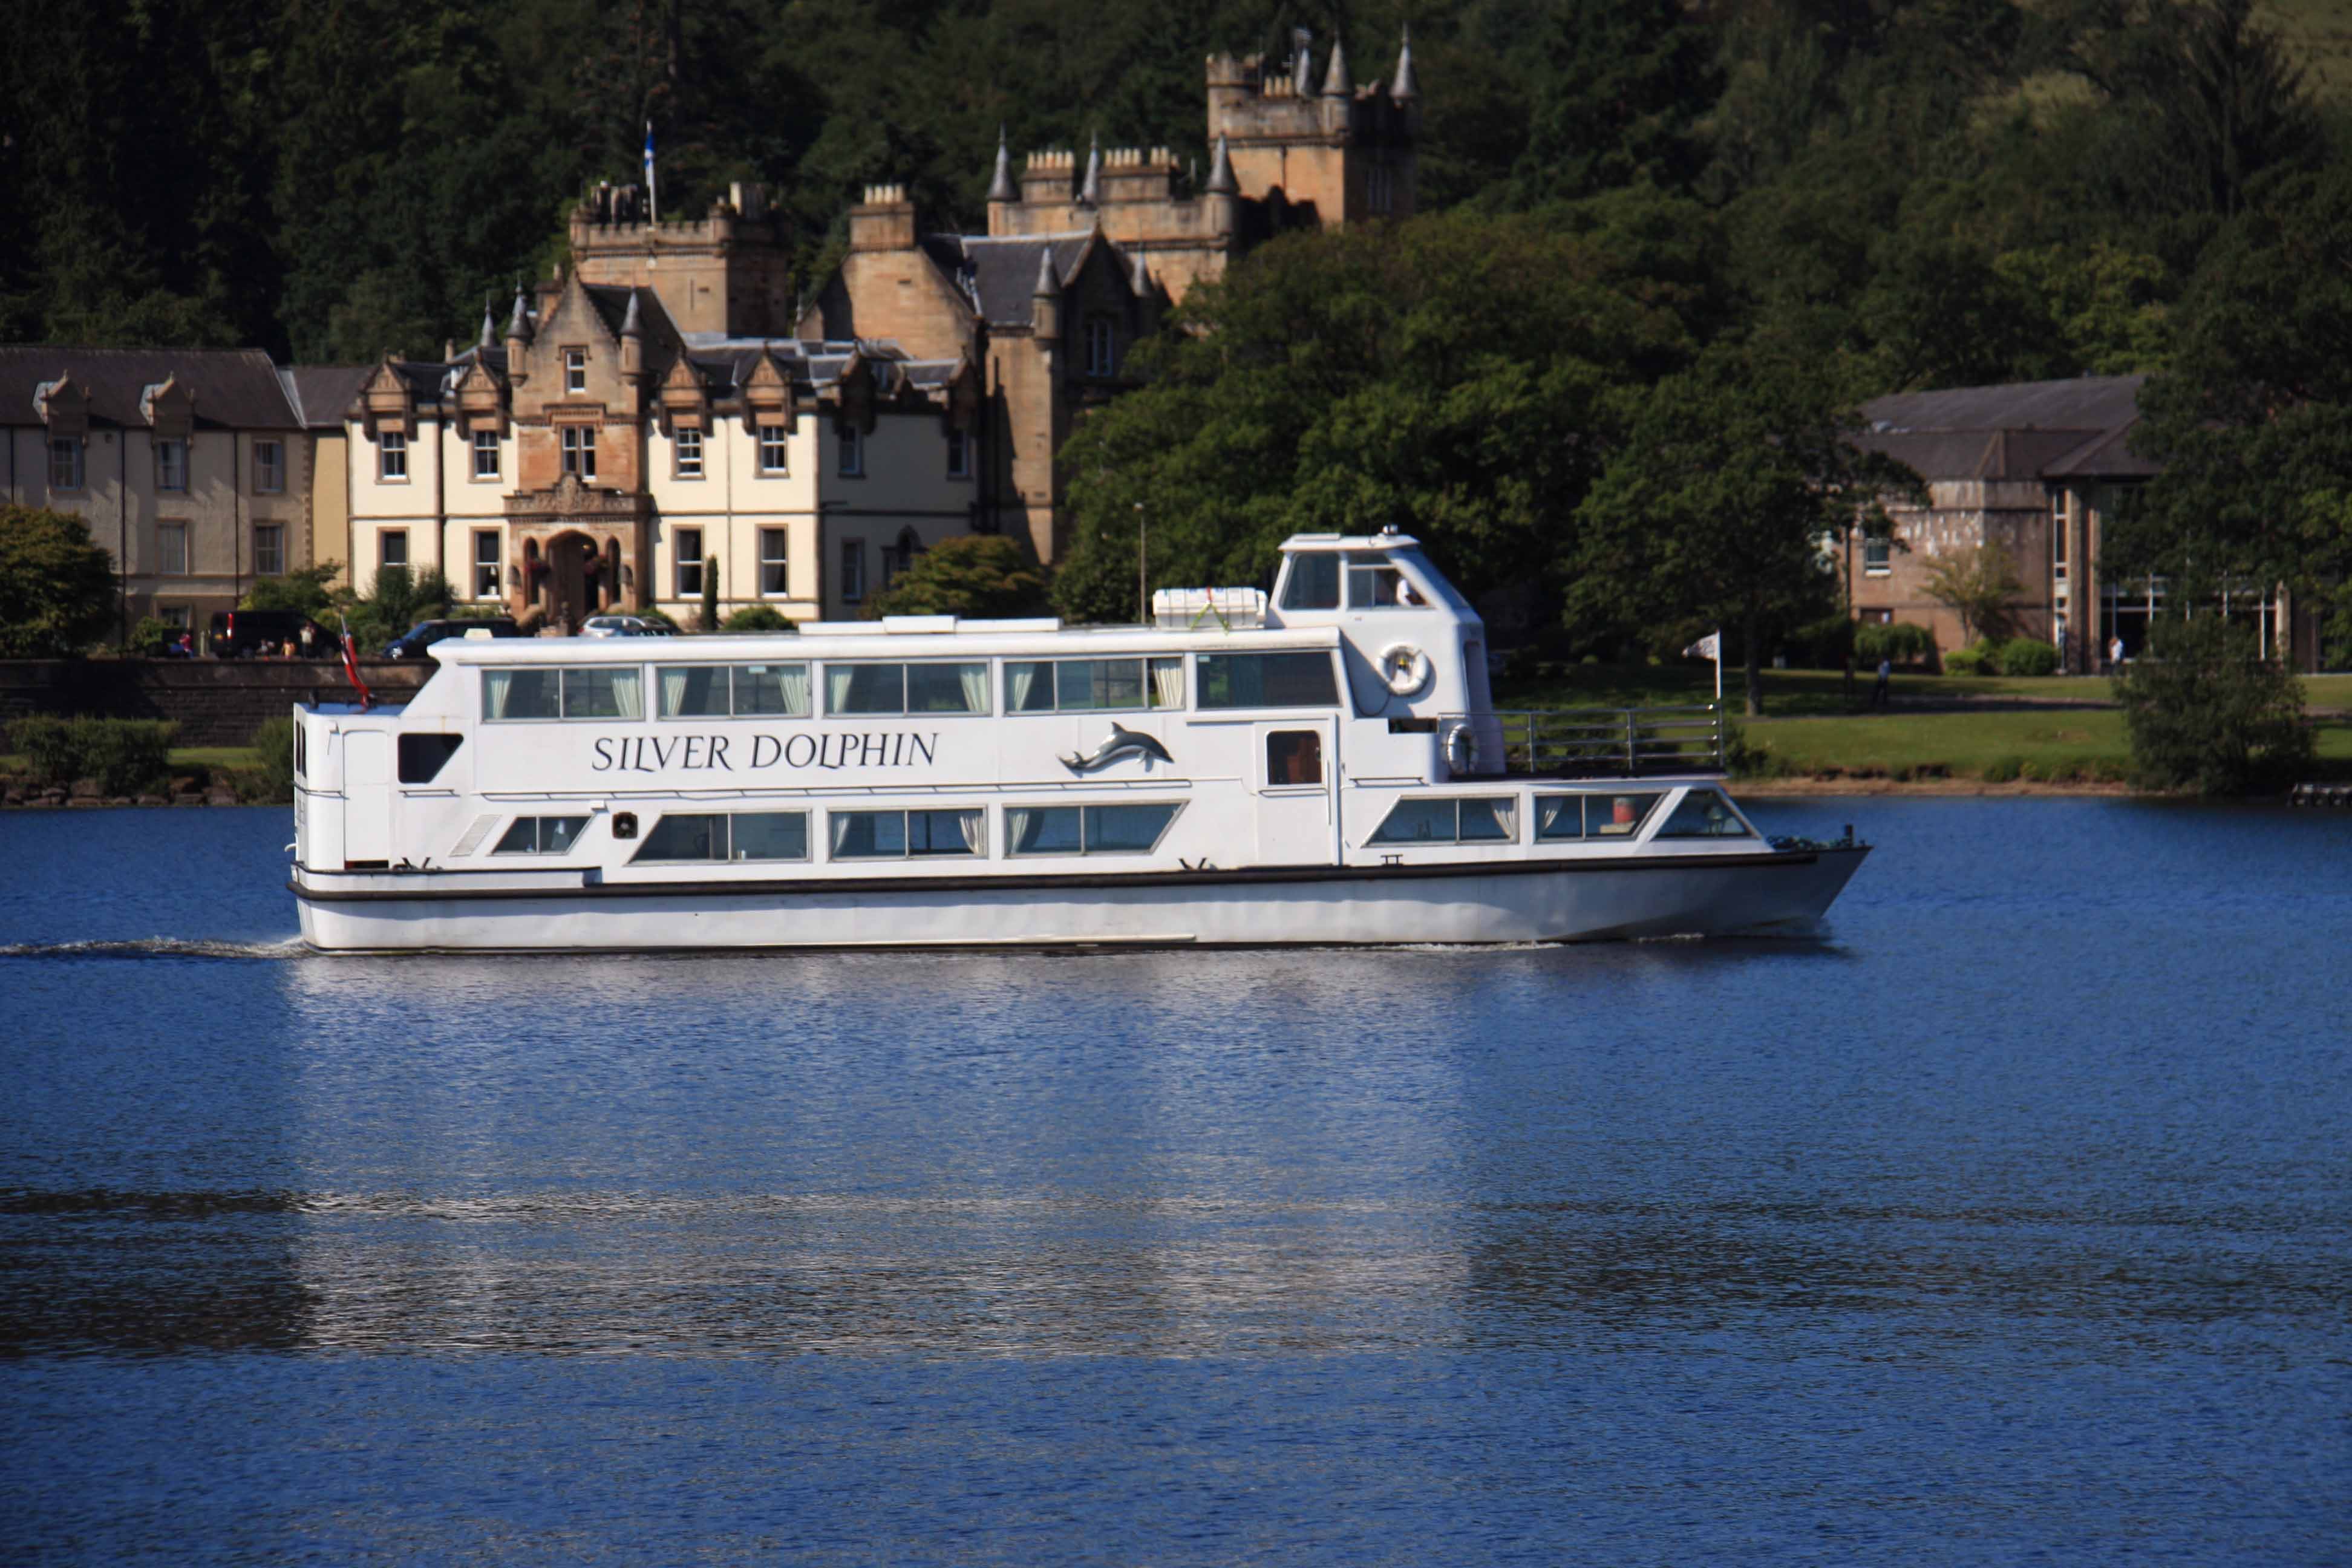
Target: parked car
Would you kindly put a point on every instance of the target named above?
(249, 633)
(622, 627)
(411, 642)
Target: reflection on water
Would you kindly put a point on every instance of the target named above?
(2011, 1216)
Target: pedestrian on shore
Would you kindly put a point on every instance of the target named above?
(2116, 654)
(1886, 673)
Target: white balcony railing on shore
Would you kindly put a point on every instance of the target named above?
(1586, 742)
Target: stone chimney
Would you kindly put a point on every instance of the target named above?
(885, 220)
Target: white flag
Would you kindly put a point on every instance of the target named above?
(1707, 647)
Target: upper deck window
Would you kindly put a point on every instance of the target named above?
(1705, 813)
(906, 689)
(1559, 816)
(1374, 582)
(1450, 821)
(733, 690)
(1267, 681)
(1092, 685)
(595, 692)
(1313, 583)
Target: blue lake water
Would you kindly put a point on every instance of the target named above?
(2010, 1221)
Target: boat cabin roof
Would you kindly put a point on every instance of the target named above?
(950, 638)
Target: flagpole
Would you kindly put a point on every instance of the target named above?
(652, 201)
(1718, 667)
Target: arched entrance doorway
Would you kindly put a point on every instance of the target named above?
(582, 578)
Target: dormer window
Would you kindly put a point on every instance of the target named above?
(392, 454)
(773, 453)
(1102, 347)
(575, 371)
(171, 464)
(65, 463)
(853, 450)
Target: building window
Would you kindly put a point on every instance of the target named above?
(485, 454)
(689, 542)
(773, 458)
(65, 464)
(269, 468)
(575, 369)
(900, 557)
(959, 455)
(853, 571)
(775, 575)
(171, 464)
(2058, 534)
(1379, 189)
(1875, 557)
(179, 617)
(687, 449)
(485, 563)
(172, 549)
(391, 548)
(580, 451)
(392, 454)
(269, 550)
(1102, 347)
(853, 450)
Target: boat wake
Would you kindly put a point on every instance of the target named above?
(155, 947)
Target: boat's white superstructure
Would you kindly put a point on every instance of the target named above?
(1324, 768)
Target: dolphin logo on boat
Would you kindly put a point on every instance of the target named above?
(1119, 743)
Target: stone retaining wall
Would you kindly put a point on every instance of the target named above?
(216, 702)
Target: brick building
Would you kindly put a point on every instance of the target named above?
(1081, 256)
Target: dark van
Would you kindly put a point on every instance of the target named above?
(411, 642)
(248, 634)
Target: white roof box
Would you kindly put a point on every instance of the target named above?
(1199, 609)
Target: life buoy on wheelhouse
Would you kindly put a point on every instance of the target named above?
(1405, 669)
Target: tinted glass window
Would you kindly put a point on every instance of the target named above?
(1704, 814)
(696, 691)
(685, 837)
(1313, 583)
(1126, 829)
(1294, 757)
(601, 694)
(421, 756)
(519, 693)
(866, 689)
(1044, 830)
(1267, 681)
(947, 689)
(769, 835)
(1616, 816)
(1559, 816)
(1418, 821)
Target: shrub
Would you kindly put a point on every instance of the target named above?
(1976, 660)
(274, 740)
(980, 575)
(756, 618)
(151, 636)
(125, 756)
(2028, 656)
(1900, 643)
(658, 617)
(2205, 715)
(1823, 644)
(708, 621)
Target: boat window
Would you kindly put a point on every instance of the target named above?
(1617, 816)
(1086, 830)
(896, 835)
(1294, 757)
(725, 835)
(736, 690)
(1561, 816)
(905, 688)
(301, 754)
(1705, 813)
(540, 836)
(595, 693)
(1375, 583)
(1092, 685)
(1477, 820)
(422, 757)
(1313, 583)
(1267, 681)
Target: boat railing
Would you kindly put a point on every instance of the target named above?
(1589, 742)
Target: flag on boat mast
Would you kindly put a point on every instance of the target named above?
(1710, 646)
(652, 204)
(351, 665)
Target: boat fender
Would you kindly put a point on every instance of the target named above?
(1405, 669)
(1461, 748)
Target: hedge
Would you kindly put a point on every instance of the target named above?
(126, 756)
(2028, 656)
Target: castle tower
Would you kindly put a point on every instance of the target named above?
(729, 272)
(1338, 154)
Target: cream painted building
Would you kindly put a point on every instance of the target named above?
(191, 467)
(596, 458)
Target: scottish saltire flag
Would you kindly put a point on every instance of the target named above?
(652, 204)
(1707, 647)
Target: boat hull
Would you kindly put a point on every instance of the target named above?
(1569, 901)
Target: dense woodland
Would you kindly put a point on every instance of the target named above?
(1648, 227)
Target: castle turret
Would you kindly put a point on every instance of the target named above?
(1000, 187)
(728, 272)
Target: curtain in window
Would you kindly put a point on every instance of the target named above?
(1559, 816)
(836, 690)
(973, 824)
(842, 824)
(496, 683)
(975, 687)
(628, 694)
(1020, 680)
(1507, 817)
(795, 680)
(1168, 683)
(673, 690)
(1019, 824)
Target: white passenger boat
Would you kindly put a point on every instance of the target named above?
(1324, 767)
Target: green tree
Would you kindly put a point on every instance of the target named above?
(977, 575)
(2205, 715)
(306, 590)
(1721, 484)
(57, 588)
(708, 621)
(1977, 584)
(1624, 85)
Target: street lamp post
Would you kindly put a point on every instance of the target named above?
(1142, 566)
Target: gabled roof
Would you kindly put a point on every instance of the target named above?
(2079, 428)
(321, 393)
(235, 389)
(1000, 271)
(725, 363)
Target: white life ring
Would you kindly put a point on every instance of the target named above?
(1405, 669)
(1459, 746)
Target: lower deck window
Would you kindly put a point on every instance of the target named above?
(1451, 821)
(1705, 813)
(1559, 816)
(1086, 830)
(899, 834)
(728, 835)
(542, 835)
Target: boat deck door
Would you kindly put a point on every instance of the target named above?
(1294, 762)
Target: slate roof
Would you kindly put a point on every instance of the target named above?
(726, 363)
(321, 393)
(235, 389)
(2026, 430)
(999, 273)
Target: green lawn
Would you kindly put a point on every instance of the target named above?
(1801, 693)
(182, 757)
